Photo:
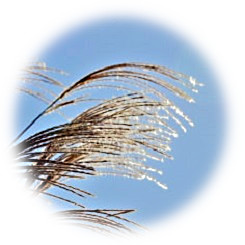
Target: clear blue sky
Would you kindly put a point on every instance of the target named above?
(94, 46)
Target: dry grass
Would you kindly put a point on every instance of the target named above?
(113, 136)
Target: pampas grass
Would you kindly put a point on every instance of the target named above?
(112, 136)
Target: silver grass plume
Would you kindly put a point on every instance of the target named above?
(113, 136)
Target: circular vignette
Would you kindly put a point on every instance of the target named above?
(99, 44)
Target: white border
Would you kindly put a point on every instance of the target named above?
(216, 27)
